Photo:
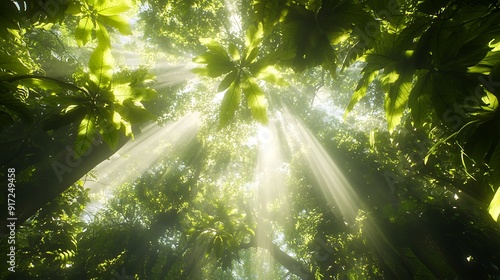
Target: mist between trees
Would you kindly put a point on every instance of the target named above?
(156, 139)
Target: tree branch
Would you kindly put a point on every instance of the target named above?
(292, 265)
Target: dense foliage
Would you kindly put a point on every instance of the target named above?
(319, 139)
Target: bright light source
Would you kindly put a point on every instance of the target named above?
(265, 135)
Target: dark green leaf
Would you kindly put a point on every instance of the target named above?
(361, 88)
(227, 81)
(419, 100)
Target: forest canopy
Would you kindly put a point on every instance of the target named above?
(250, 139)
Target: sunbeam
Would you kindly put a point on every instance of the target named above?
(270, 190)
(168, 74)
(335, 187)
(137, 156)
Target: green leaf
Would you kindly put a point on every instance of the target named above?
(117, 22)
(73, 115)
(121, 92)
(254, 36)
(251, 55)
(134, 112)
(13, 105)
(12, 63)
(230, 104)
(85, 135)
(268, 12)
(361, 88)
(218, 63)
(419, 100)
(494, 163)
(227, 81)
(102, 35)
(101, 67)
(256, 99)
(234, 52)
(329, 60)
(494, 207)
(272, 75)
(109, 133)
(431, 6)
(214, 47)
(486, 64)
(113, 7)
(143, 93)
(83, 33)
(396, 99)
(74, 8)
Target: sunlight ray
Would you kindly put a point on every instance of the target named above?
(168, 74)
(270, 190)
(335, 187)
(137, 156)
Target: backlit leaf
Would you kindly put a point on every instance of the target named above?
(419, 98)
(268, 12)
(121, 92)
(109, 133)
(254, 36)
(83, 33)
(86, 132)
(113, 7)
(494, 207)
(117, 22)
(256, 99)
(101, 66)
(234, 52)
(230, 104)
(227, 81)
(272, 75)
(361, 88)
(102, 35)
(396, 99)
(218, 63)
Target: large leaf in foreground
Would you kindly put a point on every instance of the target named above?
(101, 67)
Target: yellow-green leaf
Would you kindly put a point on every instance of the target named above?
(396, 99)
(113, 7)
(234, 52)
(256, 99)
(494, 207)
(101, 66)
(272, 75)
(117, 22)
(85, 135)
(102, 35)
(122, 92)
(254, 36)
(83, 33)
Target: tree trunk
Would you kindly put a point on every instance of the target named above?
(53, 177)
(291, 264)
